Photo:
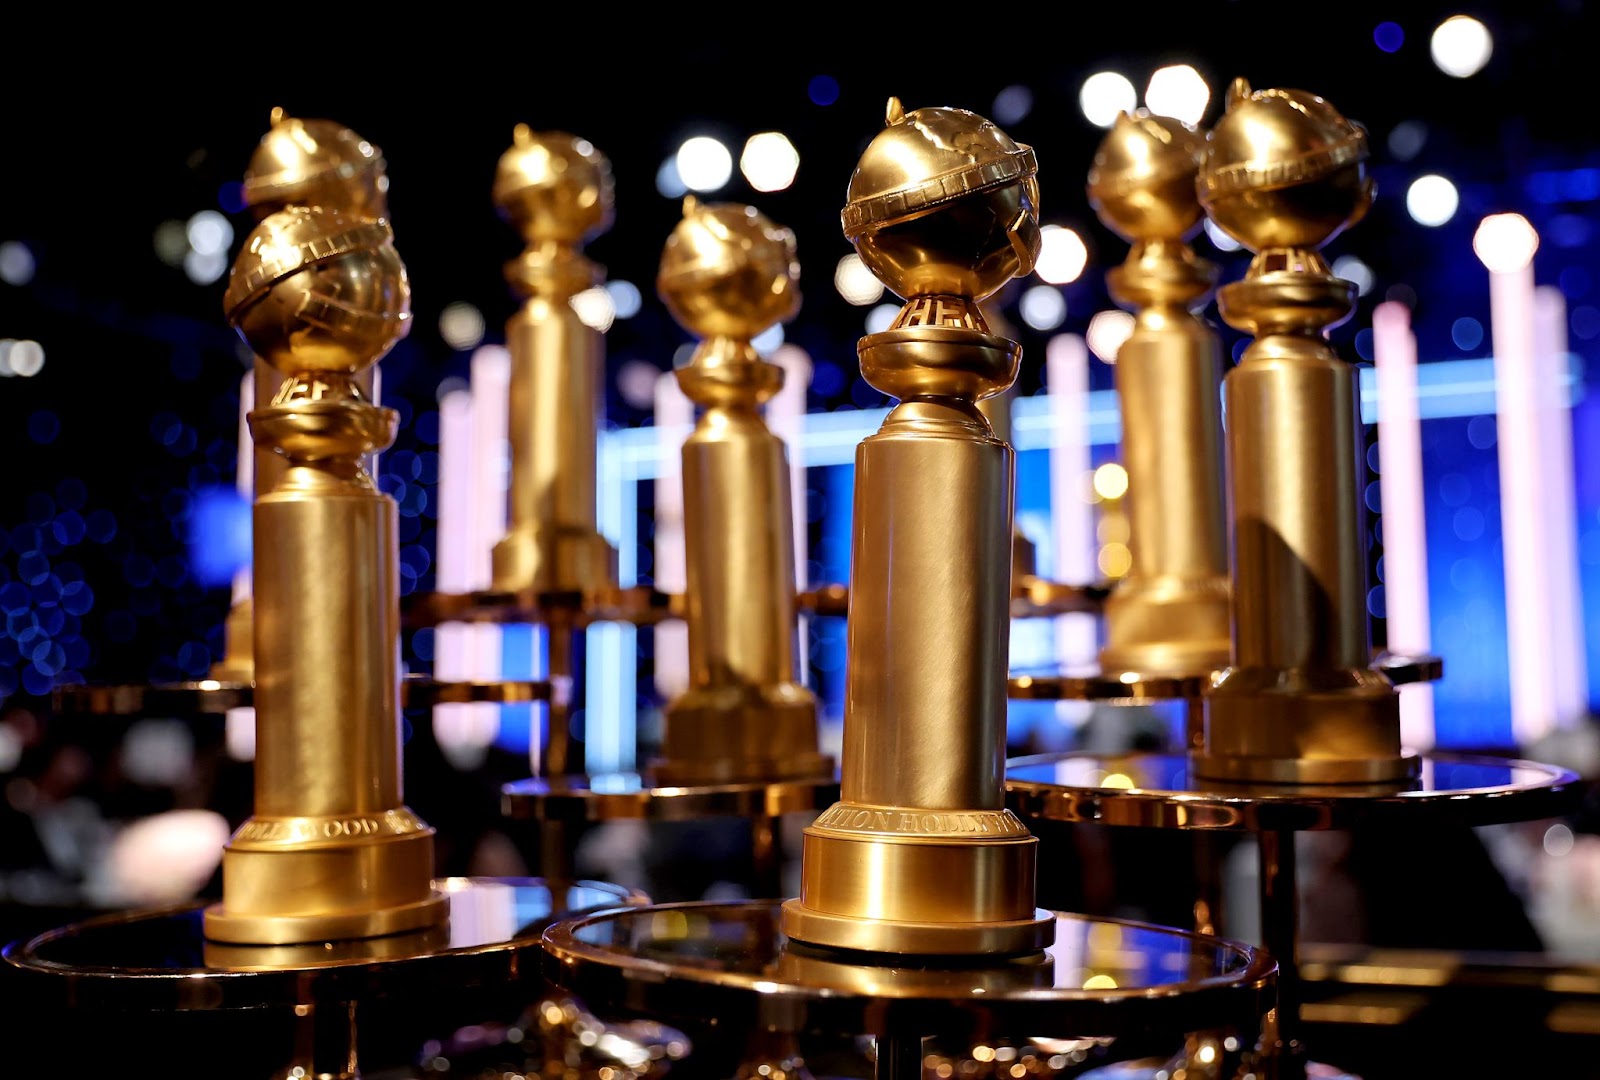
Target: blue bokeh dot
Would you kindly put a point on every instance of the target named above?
(1388, 36)
(72, 493)
(422, 643)
(43, 427)
(14, 598)
(68, 527)
(35, 681)
(101, 526)
(823, 90)
(33, 568)
(77, 598)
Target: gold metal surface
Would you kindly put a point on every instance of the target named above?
(315, 163)
(331, 851)
(556, 189)
(1284, 173)
(920, 854)
(1169, 615)
(727, 273)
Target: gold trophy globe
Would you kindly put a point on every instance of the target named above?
(920, 854)
(1301, 702)
(322, 163)
(727, 273)
(331, 851)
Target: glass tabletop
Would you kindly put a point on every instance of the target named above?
(687, 962)
(160, 960)
(609, 796)
(1161, 791)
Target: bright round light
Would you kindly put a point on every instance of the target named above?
(766, 343)
(1432, 200)
(16, 263)
(1222, 240)
(1115, 560)
(1111, 481)
(208, 232)
(1505, 243)
(769, 161)
(595, 309)
(704, 163)
(461, 326)
(1354, 271)
(1107, 331)
(1461, 46)
(881, 318)
(1043, 307)
(625, 298)
(204, 269)
(25, 358)
(1062, 255)
(855, 282)
(1178, 91)
(1104, 95)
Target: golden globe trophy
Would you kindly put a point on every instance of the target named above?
(1169, 615)
(1301, 702)
(920, 854)
(727, 273)
(331, 851)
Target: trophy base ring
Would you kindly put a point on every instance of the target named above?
(863, 935)
(1245, 769)
(222, 925)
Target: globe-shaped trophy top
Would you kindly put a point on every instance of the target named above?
(554, 186)
(942, 202)
(315, 163)
(728, 270)
(1142, 181)
(315, 291)
(1284, 169)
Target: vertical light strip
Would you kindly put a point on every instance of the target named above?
(462, 731)
(673, 416)
(786, 415)
(1071, 514)
(611, 660)
(1504, 246)
(1405, 539)
(1568, 644)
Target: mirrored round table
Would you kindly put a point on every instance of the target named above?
(688, 962)
(154, 964)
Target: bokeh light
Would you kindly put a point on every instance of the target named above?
(625, 298)
(1505, 243)
(461, 326)
(823, 90)
(881, 318)
(209, 233)
(769, 161)
(1107, 331)
(16, 263)
(855, 282)
(1111, 481)
(1461, 46)
(1432, 200)
(1178, 91)
(704, 163)
(1062, 255)
(1012, 105)
(1219, 239)
(595, 309)
(1104, 95)
(1389, 36)
(1043, 307)
(1355, 272)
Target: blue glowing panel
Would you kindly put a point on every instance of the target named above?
(219, 535)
